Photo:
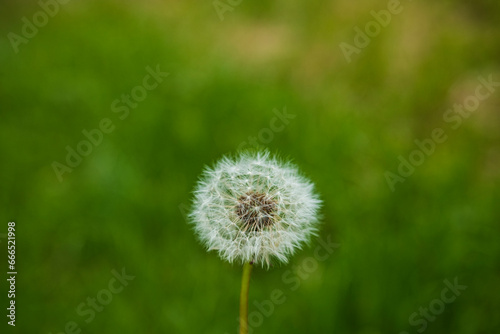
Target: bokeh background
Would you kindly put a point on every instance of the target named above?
(124, 205)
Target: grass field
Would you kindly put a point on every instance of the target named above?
(111, 109)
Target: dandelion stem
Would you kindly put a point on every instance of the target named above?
(245, 284)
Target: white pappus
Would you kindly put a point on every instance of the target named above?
(254, 208)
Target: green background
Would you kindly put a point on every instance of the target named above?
(124, 205)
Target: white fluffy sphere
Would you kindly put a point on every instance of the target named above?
(254, 208)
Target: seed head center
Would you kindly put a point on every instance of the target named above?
(256, 210)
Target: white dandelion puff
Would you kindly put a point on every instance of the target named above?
(254, 208)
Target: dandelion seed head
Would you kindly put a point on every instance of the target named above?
(254, 207)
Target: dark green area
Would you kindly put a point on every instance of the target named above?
(124, 205)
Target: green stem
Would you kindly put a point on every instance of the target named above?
(245, 284)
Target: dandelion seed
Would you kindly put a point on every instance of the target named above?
(254, 208)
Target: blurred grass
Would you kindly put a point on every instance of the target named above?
(120, 207)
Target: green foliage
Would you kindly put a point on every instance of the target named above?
(124, 205)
